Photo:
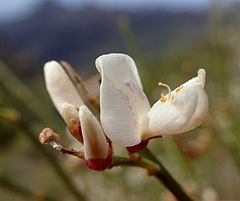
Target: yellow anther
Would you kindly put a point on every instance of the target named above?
(163, 99)
(179, 89)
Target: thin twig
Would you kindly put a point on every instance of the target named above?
(78, 154)
(166, 178)
(151, 167)
(155, 168)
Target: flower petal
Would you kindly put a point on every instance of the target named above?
(170, 117)
(124, 105)
(199, 80)
(200, 113)
(202, 106)
(94, 140)
(59, 86)
(185, 112)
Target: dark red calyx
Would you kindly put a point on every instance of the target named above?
(138, 147)
(99, 164)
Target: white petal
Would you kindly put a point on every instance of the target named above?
(94, 141)
(59, 86)
(122, 101)
(201, 110)
(123, 65)
(170, 117)
(199, 80)
(200, 113)
(187, 110)
(119, 119)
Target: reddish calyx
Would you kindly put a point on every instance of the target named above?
(138, 147)
(99, 164)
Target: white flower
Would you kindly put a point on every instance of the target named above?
(81, 122)
(126, 115)
(64, 96)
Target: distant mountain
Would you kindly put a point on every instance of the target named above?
(79, 36)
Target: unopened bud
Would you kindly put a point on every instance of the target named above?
(60, 86)
(70, 115)
(47, 136)
(99, 164)
(97, 151)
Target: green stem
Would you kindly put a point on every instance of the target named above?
(155, 168)
(165, 177)
(151, 167)
(11, 186)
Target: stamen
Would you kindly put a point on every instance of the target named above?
(169, 90)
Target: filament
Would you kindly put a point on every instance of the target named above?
(169, 89)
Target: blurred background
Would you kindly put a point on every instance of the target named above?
(169, 40)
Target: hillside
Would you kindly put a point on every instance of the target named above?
(81, 35)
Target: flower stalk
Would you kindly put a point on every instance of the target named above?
(154, 168)
(165, 177)
(47, 136)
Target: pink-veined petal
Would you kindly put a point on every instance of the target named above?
(124, 105)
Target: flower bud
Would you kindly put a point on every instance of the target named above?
(60, 86)
(70, 115)
(97, 152)
(47, 135)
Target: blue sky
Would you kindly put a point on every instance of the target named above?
(13, 9)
